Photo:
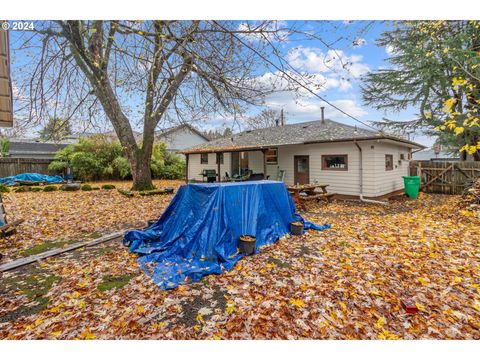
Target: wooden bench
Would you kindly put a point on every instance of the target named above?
(319, 196)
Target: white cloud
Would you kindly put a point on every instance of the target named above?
(263, 31)
(390, 50)
(305, 109)
(314, 60)
(359, 42)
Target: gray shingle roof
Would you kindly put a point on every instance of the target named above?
(31, 147)
(300, 133)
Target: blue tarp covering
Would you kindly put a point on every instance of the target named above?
(31, 177)
(198, 233)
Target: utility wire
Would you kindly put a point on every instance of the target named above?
(295, 80)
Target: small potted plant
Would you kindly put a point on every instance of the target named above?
(296, 227)
(246, 244)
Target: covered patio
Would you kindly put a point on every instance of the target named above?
(234, 165)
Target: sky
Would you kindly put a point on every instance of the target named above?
(352, 44)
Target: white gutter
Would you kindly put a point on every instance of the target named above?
(361, 180)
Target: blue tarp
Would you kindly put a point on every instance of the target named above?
(198, 233)
(31, 177)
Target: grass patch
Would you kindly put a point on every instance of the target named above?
(109, 282)
(33, 283)
(40, 248)
(108, 187)
(4, 189)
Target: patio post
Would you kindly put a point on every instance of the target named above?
(186, 168)
(264, 151)
(218, 167)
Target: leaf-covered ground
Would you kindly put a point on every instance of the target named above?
(342, 283)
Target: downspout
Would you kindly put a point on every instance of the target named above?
(361, 180)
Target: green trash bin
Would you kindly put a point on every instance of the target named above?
(412, 185)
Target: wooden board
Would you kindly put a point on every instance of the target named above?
(31, 259)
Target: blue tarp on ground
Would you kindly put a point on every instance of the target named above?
(198, 233)
(31, 177)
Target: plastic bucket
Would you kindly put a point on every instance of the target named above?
(296, 229)
(412, 185)
(247, 247)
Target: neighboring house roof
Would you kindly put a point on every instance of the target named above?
(25, 148)
(169, 131)
(430, 154)
(6, 104)
(293, 134)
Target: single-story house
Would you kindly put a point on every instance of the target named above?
(436, 153)
(353, 161)
(181, 137)
(34, 149)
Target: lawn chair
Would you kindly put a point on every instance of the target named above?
(281, 175)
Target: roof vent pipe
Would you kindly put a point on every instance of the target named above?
(323, 114)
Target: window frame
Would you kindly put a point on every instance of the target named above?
(324, 162)
(387, 168)
(270, 162)
(202, 160)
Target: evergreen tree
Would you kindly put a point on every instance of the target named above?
(434, 68)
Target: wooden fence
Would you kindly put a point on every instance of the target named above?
(11, 167)
(445, 177)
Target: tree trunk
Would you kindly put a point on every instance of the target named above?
(141, 173)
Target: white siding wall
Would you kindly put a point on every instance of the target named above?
(195, 168)
(182, 139)
(376, 180)
(390, 180)
(341, 182)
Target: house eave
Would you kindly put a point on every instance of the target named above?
(262, 147)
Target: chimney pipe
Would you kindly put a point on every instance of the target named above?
(282, 120)
(323, 114)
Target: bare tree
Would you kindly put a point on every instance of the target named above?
(264, 119)
(142, 74)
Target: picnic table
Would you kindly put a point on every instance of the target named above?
(300, 193)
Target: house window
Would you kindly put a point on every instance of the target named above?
(203, 158)
(271, 156)
(219, 157)
(335, 162)
(388, 162)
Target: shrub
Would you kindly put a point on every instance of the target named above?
(122, 167)
(86, 187)
(4, 189)
(21, 189)
(108, 187)
(95, 187)
(35, 189)
(49, 188)
(166, 165)
(98, 158)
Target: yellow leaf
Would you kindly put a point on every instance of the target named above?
(420, 307)
(459, 130)
(199, 317)
(81, 304)
(56, 333)
(140, 309)
(297, 302)
(457, 280)
(381, 321)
